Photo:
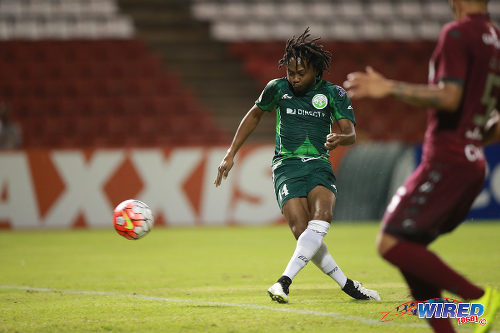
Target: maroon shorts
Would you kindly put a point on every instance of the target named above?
(434, 200)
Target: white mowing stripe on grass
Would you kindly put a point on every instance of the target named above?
(284, 308)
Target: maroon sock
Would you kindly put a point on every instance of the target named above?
(416, 260)
(423, 291)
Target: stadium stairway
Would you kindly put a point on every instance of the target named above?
(204, 64)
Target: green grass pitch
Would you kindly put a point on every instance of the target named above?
(212, 280)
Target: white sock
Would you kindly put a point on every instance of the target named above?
(324, 260)
(307, 245)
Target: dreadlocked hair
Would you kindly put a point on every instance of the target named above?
(308, 51)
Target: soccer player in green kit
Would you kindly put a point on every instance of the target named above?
(306, 107)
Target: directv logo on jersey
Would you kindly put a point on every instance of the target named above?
(443, 308)
(300, 112)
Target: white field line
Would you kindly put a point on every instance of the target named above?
(283, 308)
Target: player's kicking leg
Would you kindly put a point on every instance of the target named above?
(324, 260)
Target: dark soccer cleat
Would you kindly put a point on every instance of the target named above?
(356, 290)
(279, 291)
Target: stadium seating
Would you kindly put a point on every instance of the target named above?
(75, 76)
(336, 20)
(350, 20)
(81, 58)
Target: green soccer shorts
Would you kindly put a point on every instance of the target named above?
(296, 177)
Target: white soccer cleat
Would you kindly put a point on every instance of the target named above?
(277, 293)
(356, 290)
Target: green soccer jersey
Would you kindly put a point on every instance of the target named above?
(303, 122)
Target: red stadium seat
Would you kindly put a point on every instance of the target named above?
(80, 93)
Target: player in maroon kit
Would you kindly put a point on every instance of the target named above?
(462, 97)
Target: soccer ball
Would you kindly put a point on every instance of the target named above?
(133, 219)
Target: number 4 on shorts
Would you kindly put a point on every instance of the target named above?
(283, 192)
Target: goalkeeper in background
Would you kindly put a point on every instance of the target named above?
(461, 97)
(306, 107)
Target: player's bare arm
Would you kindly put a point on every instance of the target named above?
(346, 137)
(246, 127)
(445, 96)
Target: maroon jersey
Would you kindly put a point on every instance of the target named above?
(467, 52)
(439, 193)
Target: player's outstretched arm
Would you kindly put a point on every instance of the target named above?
(445, 96)
(346, 137)
(246, 127)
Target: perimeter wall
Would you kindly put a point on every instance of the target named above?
(79, 188)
